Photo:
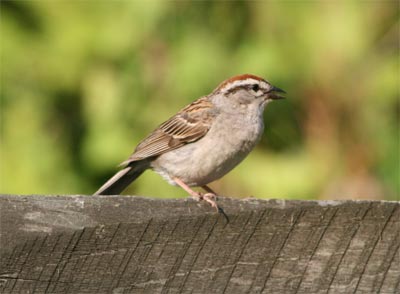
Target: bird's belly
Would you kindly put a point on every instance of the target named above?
(208, 159)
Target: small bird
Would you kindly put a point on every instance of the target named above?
(203, 141)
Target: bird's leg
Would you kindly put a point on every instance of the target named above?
(185, 187)
(209, 190)
(206, 197)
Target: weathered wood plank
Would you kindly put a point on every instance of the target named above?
(125, 244)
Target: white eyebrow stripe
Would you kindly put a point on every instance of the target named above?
(240, 83)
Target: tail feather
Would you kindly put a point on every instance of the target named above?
(121, 180)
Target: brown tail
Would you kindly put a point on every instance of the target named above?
(122, 179)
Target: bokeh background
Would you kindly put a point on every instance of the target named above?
(82, 82)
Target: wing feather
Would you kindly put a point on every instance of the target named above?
(188, 125)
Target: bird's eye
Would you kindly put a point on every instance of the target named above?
(255, 87)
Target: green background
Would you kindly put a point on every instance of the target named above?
(82, 82)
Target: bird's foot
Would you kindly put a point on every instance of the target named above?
(210, 198)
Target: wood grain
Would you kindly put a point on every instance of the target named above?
(126, 244)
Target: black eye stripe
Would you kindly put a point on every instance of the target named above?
(254, 87)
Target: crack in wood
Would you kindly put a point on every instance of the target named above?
(375, 242)
(293, 223)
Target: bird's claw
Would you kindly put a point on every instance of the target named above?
(211, 199)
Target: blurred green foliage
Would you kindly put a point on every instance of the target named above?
(82, 82)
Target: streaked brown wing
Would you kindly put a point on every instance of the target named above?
(189, 125)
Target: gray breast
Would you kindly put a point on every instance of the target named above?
(219, 151)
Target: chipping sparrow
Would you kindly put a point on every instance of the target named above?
(203, 141)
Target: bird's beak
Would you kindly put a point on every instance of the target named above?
(276, 93)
